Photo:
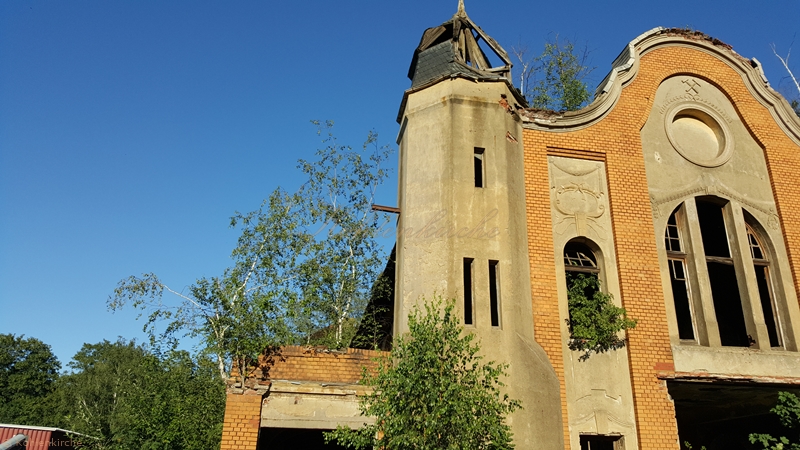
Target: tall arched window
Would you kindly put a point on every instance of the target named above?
(761, 267)
(706, 249)
(580, 261)
(676, 255)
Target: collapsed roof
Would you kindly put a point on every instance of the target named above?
(453, 49)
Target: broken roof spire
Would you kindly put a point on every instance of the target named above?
(453, 48)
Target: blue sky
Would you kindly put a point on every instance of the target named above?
(131, 131)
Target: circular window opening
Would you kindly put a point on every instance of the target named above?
(698, 135)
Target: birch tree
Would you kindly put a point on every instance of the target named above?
(785, 62)
(303, 267)
(344, 259)
(555, 79)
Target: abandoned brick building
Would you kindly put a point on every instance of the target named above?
(675, 188)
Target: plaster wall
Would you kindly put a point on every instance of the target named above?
(312, 406)
(732, 166)
(598, 389)
(445, 218)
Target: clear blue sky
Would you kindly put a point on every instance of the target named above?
(131, 131)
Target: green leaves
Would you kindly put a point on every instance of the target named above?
(127, 397)
(555, 79)
(594, 320)
(28, 374)
(435, 392)
(788, 412)
(343, 258)
(303, 267)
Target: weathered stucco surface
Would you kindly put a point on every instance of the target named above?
(312, 406)
(598, 389)
(445, 219)
(741, 177)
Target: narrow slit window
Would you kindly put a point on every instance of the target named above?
(494, 292)
(469, 318)
(478, 162)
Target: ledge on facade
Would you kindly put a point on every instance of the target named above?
(705, 377)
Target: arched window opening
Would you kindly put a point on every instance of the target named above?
(707, 258)
(594, 320)
(761, 266)
(676, 255)
(580, 267)
(578, 257)
(722, 273)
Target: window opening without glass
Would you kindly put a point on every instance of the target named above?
(494, 292)
(477, 159)
(722, 275)
(469, 317)
(676, 257)
(761, 266)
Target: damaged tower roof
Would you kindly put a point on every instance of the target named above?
(452, 49)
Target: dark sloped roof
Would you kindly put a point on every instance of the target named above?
(452, 48)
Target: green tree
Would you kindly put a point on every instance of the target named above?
(788, 412)
(303, 267)
(594, 321)
(556, 79)
(239, 314)
(344, 259)
(435, 392)
(129, 398)
(28, 375)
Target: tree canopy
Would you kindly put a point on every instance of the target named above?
(788, 412)
(302, 269)
(435, 392)
(594, 320)
(555, 79)
(126, 397)
(28, 375)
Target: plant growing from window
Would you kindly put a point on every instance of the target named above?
(594, 321)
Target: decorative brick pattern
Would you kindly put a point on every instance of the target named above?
(617, 138)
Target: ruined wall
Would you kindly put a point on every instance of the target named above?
(242, 422)
(304, 388)
(615, 139)
(462, 195)
(309, 364)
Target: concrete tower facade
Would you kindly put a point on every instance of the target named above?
(463, 220)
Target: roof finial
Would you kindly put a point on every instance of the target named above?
(461, 11)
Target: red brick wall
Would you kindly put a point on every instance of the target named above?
(616, 138)
(243, 411)
(242, 422)
(308, 364)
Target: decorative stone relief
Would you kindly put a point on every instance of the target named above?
(714, 186)
(578, 197)
(601, 413)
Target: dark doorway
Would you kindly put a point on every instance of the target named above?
(294, 439)
(721, 416)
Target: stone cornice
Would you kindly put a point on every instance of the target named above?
(626, 66)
